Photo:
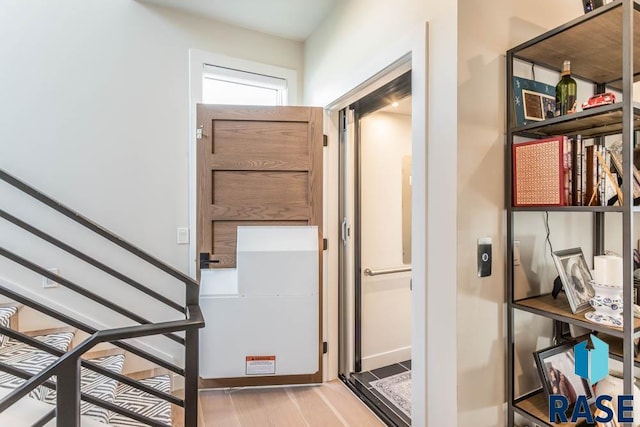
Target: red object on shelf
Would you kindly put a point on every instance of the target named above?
(598, 100)
(539, 172)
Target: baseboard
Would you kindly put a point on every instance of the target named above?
(55, 305)
(387, 358)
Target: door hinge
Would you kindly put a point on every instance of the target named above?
(199, 133)
(325, 244)
(325, 347)
(325, 141)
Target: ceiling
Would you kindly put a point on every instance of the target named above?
(292, 19)
(404, 107)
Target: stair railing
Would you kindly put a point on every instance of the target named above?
(67, 366)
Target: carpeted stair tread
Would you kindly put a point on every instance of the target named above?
(29, 359)
(96, 385)
(27, 411)
(142, 403)
(6, 313)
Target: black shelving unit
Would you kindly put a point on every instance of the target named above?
(601, 48)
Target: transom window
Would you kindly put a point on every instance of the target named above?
(235, 87)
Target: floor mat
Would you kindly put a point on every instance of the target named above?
(397, 389)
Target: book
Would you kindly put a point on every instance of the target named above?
(590, 176)
(616, 162)
(576, 171)
(539, 172)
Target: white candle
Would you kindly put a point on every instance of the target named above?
(608, 270)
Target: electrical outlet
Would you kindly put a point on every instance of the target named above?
(48, 283)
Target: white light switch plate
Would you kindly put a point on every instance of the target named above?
(183, 236)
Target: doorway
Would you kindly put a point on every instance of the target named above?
(375, 262)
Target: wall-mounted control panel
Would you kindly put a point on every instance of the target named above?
(484, 256)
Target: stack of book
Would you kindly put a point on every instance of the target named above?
(563, 171)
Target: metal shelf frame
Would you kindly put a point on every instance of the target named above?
(627, 11)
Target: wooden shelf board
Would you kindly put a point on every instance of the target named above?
(559, 309)
(592, 42)
(537, 407)
(599, 121)
(571, 208)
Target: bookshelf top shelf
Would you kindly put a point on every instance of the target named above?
(599, 121)
(592, 42)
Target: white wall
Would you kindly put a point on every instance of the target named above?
(385, 140)
(357, 40)
(94, 111)
(486, 31)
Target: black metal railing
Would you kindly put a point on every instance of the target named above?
(67, 367)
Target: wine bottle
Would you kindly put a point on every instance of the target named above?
(566, 92)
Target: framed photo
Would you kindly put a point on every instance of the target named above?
(556, 366)
(575, 276)
(601, 413)
(532, 101)
(538, 106)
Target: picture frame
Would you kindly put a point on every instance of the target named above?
(538, 106)
(532, 101)
(556, 367)
(575, 276)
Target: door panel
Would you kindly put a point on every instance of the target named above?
(256, 164)
(240, 188)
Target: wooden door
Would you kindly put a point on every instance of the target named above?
(257, 166)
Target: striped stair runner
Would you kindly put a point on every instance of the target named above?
(32, 360)
(142, 403)
(29, 359)
(6, 313)
(96, 385)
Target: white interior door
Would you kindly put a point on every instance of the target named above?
(385, 326)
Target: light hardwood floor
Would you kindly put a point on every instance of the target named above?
(326, 405)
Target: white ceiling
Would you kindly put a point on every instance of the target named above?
(292, 19)
(404, 107)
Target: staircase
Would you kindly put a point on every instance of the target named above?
(22, 356)
(52, 377)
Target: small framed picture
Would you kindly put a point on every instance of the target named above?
(556, 366)
(538, 106)
(575, 276)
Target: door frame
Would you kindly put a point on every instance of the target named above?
(347, 315)
(349, 280)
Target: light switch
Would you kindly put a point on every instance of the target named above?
(183, 235)
(484, 257)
